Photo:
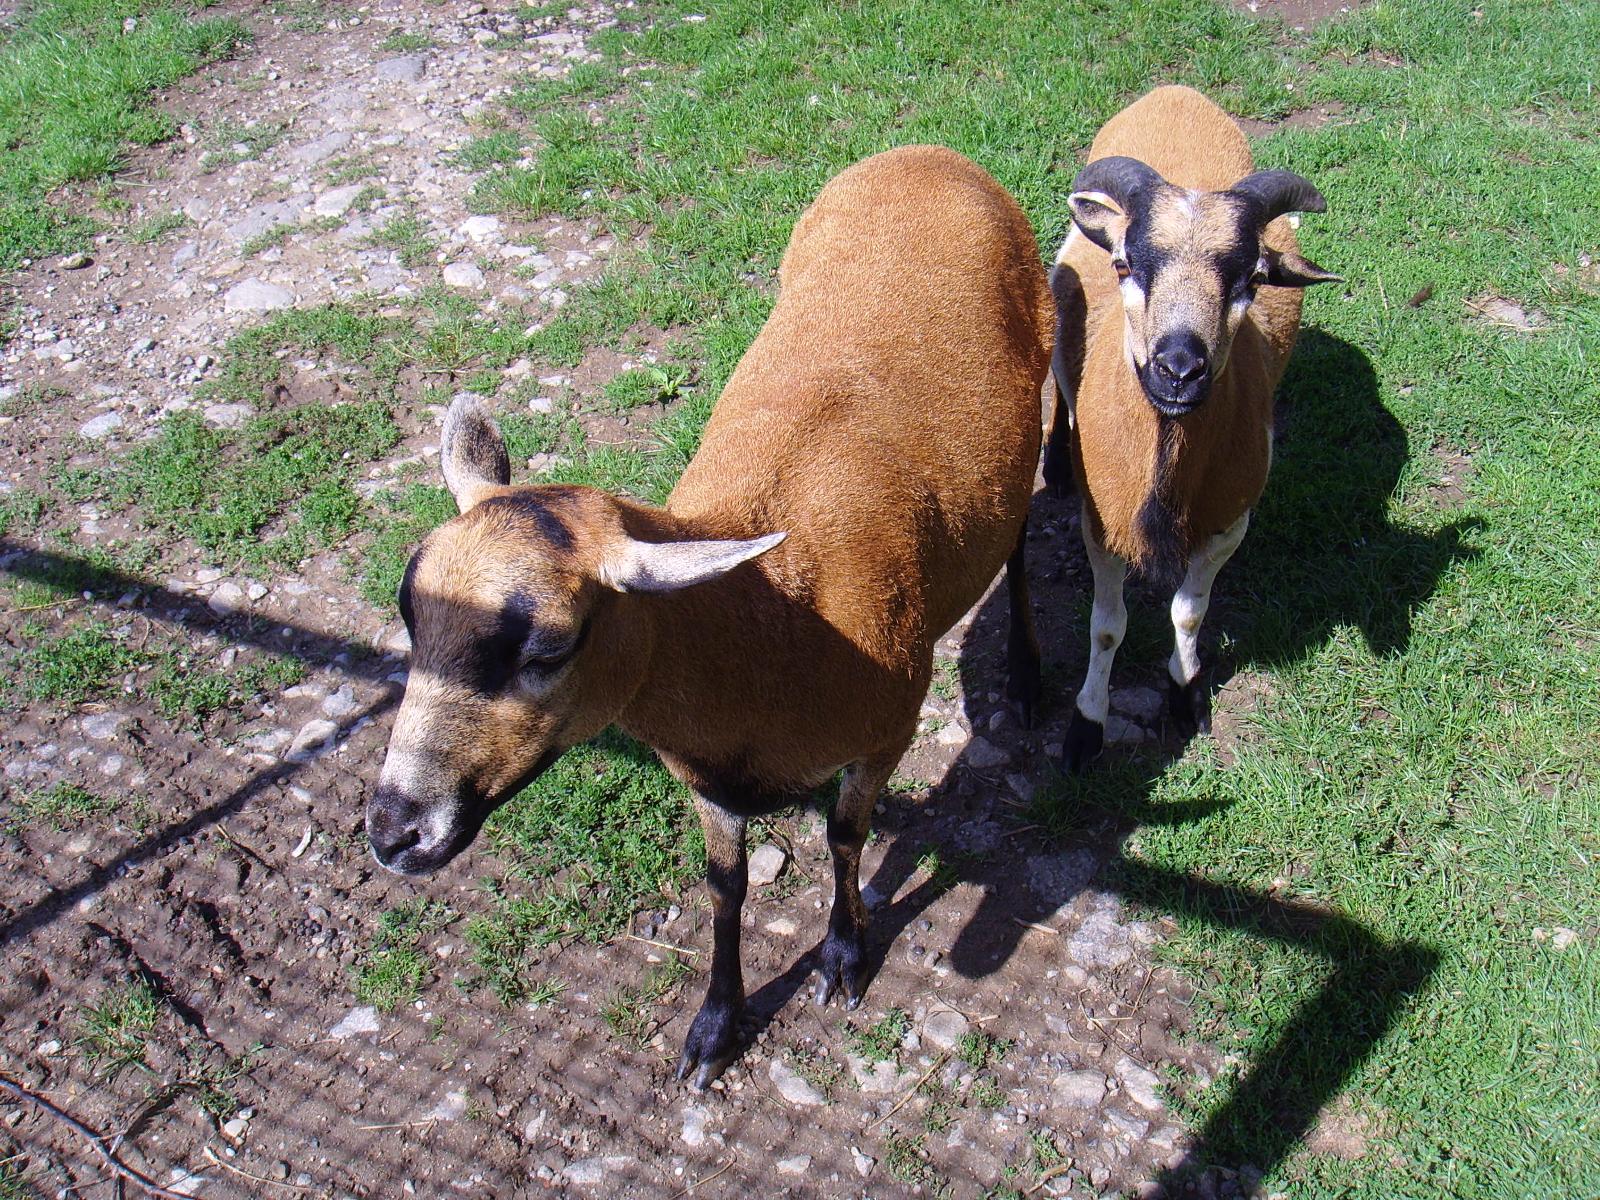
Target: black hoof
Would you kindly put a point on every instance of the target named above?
(712, 1044)
(1190, 706)
(1084, 741)
(841, 966)
(1023, 687)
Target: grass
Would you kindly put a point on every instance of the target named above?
(880, 1041)
(629, 1013)
(407, 235)
(64, 805)
(393, 971)
(75, 93)
(114, 1032)
(187, 693)
(154, 229)
(84, 663)
(405, 42)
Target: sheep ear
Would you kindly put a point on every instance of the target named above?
(1100, 217)
(1285, 268)
(634, 566)
(472, 454)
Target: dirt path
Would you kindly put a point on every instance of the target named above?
(237, 878)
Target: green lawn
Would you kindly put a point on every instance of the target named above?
(1373, 904)
(76, 77)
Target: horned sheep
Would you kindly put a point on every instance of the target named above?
(1179, 288)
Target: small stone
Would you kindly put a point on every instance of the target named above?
(256, 591)
(694, 1126)
(227, 598)
(341, 704)
(1140, 1083)
(226, 416)
(314, 738)
(945, 1028)
(356, 1022)
(1561, 937)
(1122, 732)
(75, 262)
(481, 229)
(798, 1165)
(142, 345)
(766, 864)
(1078, 1089)
(252, 295)
(984, 755)
(235, 1129)
(595, 1170)
(782, 926)
(48, 1049)
(337, 202)
(101, 426)
(452, 1108)
(951, 735)
(463, 275)
(325, 146)
(792, 1087)
(408, 68)
(864, 1162)
(1142, 703)
(103, 727)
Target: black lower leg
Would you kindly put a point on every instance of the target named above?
(1190, 705)
(1058, 450)
(844, 953)
(1023, 683)
(714, 1036)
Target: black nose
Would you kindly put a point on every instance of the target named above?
(392, 825)
(1180, 358)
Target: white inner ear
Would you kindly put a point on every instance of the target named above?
(667, 566)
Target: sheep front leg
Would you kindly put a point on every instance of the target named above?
(1086, 735)
(1023, 681)
(1187, 696)
(842, 961)
(714, 1037)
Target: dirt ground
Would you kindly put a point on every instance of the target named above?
(240, 882)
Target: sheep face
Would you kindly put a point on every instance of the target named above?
(515, 656)
(523, 642)
(1188, 265)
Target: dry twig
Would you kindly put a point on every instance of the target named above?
(293, 1187)
(96, 1141)
(707, 1179)
(926, 1075)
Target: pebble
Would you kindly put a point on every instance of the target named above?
(944, 1028)
(452, 1108)
(792, 1087)
(782, 926)
(226, 416)
(75, 262)
(694, 1126)
(101, 426)
(766, 864)
(341, 704)
(337, 202)
(864, 1162)
(1140, 1083)
(463, 275)
(1078, 1089)
(984, 755)
(408, 68)
(356, 1022)
(798, 1165)
(595, 1170)
(103, 726)
(227, 598)
(1142, 703)
(253, 295)
(481, 229)
(235, 1129)
(314, 738)
(325, 146)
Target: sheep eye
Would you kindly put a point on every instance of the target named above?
(546, 664)
(1120, 266)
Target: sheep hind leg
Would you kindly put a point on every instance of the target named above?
(1108, 621)
(1023, 682)
(842, 960)
(1188, 697)
(1058, 444)
(714, 1036)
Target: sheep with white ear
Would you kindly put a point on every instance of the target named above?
(1179, 292)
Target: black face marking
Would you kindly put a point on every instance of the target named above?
(493, 661)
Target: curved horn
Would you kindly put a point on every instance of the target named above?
(1118, 177)
(1273, 193)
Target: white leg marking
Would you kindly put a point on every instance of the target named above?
(1107, 623)
(1190, 602)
